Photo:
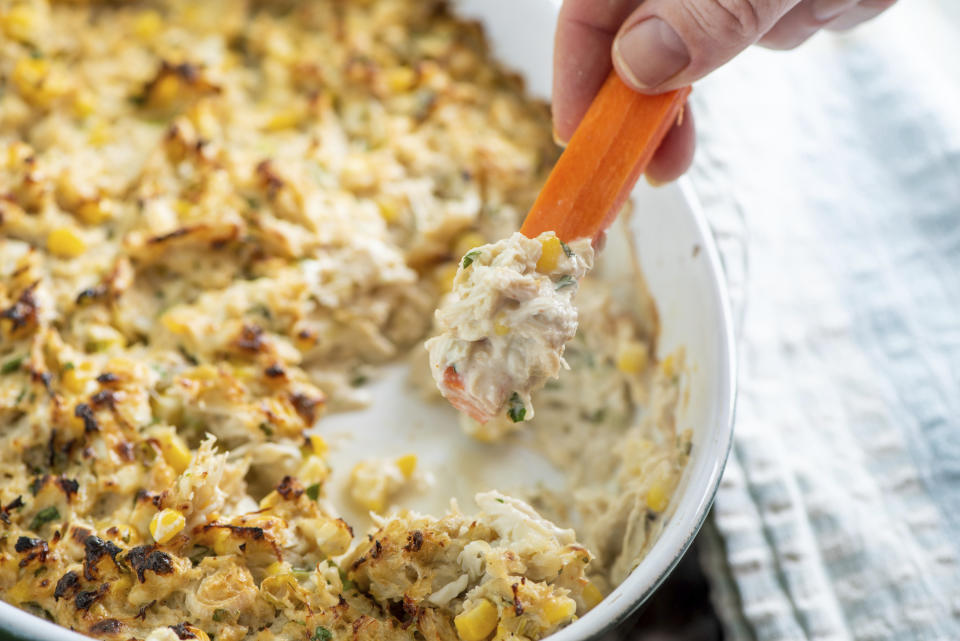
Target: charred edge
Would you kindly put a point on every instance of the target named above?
(24, 311)
(34, 548)
(414, 541)
(274, 371)
(70, 487)
(15, 504)
(87, 598)
(90, 294)
(290, 489)
(95, 549)
(85, 412)
(106, 626)
(104, 398)
(250, 339)
(145, 558)
(517, 606)
(176, 233)
(182, 631)
(67, 586)
(306, 407)
(377, 550)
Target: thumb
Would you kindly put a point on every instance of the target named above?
(666, 44)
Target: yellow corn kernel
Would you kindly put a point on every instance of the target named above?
(147, 24)
(658, 496)
(20, 22)
(592, 595)
(401, 78)
(29, 74)
(166, 524)
(669, 366)
(499, 327)
(220, 541)
(503, 633)
(287, 119)
(467, 241)
(389, 209)
(165, 91)
(477, 623)
(175, 322)
(84, 103)
(22, 591)
(175, 451)
(94, 212)
(445, 276)
(549, 255)
(76, 378)
(558, 609)
(319, 445)
(632, 357)
(100, 134)
(407, 464)
(313, 470)
(65, 243)
(270, 500)
(278, 568)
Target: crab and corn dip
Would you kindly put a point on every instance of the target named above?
(218, 220)
(504, 326)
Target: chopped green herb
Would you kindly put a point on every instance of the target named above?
(253, 203)
(469, 258)
(20, 396)
(44, 516)
(220, 615)
(565, 281)
(517, 411)
(313, 491)
(67, 367)
(190, 358)
(598, 415)
(321, 634)
(12, 365)
(262, 310)
(358, 380)
(499, 500)
(266, 429)
(567, 250)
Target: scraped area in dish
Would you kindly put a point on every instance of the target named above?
(216, 220)
(504, 327)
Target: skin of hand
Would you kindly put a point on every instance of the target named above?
(659, 45)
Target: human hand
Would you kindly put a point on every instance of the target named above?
(658, 45)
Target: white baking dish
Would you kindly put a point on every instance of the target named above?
(680, 263)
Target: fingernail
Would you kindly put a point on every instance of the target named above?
(650, 53)
(653, 182)
(560, 142)
(827, 10)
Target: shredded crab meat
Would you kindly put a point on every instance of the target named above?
(504, 327)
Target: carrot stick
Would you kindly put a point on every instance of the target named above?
(609, 150)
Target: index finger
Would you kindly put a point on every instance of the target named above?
(581, 58)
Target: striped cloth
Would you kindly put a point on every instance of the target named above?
(831, 176)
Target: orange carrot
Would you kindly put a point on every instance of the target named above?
(609, 150)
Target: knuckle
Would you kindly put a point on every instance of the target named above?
(728, 20)
(880, 5)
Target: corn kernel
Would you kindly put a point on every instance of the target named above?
(166, 524)
(287, 119)
(99, 134)
(270, 500)
(94, 212)
(445, 276)
(84, 103)
(549, 255)
(558, 609)
(632, 357)
(658, 496)
(165, 91)
(499, 327)
(319, 445)
(477, 623)
(467, 241)
(389, 210)
(278, 568)
(65, 243)
(592, 595)
(175, 451)
(20, 23)
(175, 322)
(407, 464)
(77, 377)
(669, 366)
(147, 24)
(29, 74)
(401, 78)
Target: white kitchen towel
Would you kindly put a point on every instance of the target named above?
(831, 176)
